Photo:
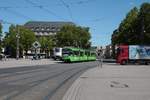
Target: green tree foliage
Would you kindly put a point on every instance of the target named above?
(0, 37)
(46, 43)
(125, 34)
(26, 38)
(0, 30)
(10, 40)
(71, 35)
(135, 28)
(144, 23)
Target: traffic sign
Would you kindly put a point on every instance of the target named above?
(36, 44)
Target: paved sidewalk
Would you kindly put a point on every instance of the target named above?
(10, 63)
(112, 82)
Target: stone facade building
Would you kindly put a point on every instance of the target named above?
(44, 28)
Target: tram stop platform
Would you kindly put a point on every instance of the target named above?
(112, 82)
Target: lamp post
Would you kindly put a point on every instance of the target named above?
(100, 56)
(17, 43)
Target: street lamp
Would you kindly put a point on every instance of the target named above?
(17, 43)
(100, 56)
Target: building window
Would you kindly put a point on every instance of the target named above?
(42, 28)
(53, 28)
(47, 28)
(37, 28)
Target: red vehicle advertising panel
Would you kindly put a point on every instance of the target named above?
(139, 52)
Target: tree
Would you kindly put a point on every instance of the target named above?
(26, 38)
(126, 31)
(114, 37)
(71, 35)
(135, 28)
(10, 41)
(0, 37)
(46, 44)
(144, 23)
(83, 37)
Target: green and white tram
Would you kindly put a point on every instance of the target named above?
(77, 55)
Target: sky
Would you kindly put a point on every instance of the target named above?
(101, 16)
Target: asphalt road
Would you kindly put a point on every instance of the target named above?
(47, 82)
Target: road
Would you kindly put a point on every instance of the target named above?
(43, 82)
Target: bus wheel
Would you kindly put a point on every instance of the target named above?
(124, 62)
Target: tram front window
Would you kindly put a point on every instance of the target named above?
(57, 49)
(67, 52)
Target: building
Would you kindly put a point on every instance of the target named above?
(108, 51)
(43, 28)
(100, 50)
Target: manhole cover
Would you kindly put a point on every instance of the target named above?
(84, 77)
(115, 84)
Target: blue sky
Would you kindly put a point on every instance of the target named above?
(102, 16)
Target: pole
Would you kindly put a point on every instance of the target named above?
(100, 57)
(17, 49)
(101, 60)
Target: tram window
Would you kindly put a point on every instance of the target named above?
(93, 54)
(81, 53)
(87, 53)
(76, 53)
(57, 50)
(66, 51)
(70, 53)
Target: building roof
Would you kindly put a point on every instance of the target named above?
(47, 23)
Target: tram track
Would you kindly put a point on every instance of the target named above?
(61, 76)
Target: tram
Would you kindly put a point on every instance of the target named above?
(70, 54)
